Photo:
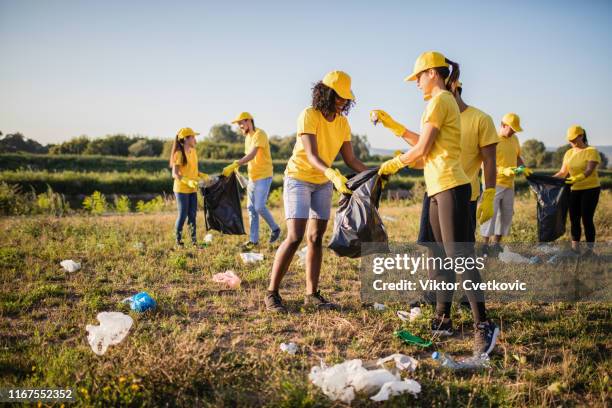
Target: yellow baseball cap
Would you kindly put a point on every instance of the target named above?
(242, 116)
(340, 82)
(573, 132)
(427, 60)
(186, 132)
(512, 120)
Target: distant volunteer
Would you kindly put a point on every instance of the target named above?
(580, 163)
(259, 159)
(508, 157)
(184, 164)
(323, 131)
(438, 151)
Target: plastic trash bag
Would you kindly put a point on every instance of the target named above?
(392, 388)
(507, 256)
(228, 278)
(141, 302)
(553, 203)
(113, 328)
(411, 316)
(222, 210)
(289, 348)
(251, 257)
(357, 219)
(70, 266)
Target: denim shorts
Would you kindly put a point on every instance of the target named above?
(306, 200)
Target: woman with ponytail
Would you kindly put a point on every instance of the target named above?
(437, 149)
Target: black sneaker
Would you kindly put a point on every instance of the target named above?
(441, 327)
(275, 235)
(248, 246)
(274, 302)
(318, 301)
(485, 336)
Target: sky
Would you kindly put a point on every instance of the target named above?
(69, 68)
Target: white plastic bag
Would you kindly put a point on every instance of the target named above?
(379, 306)
(414, 314)
(228, 278)
(290, 348)
(302, 255)
(402, 361)
(251, 257)
(113, 328)
(208, 238)
(508, 256)
(70, 266)
(392, 388)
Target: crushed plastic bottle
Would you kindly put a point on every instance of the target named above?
(141, 302)
(70, 266)
(470, 363)
(289, 348)
(251, 257)
(113, 328)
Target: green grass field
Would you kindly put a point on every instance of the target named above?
(208, 347)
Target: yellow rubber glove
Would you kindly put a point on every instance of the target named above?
(485, 210)
(227, 170)
(575, 179)
(391, 166)
(189, 182)
(527, 172)
(203, 177)
(383, 117)
(506, 171)
(338, 180)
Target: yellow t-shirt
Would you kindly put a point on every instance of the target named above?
(508, 150)
(576, 161)
(329, 135)
(477, 130)
(442, 168)
(189, 170)
(261, 165)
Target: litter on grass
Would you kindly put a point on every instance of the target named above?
(508, 256)
(402, 361)
(70, 266)
(138, 246)
(341, 381)
(113, 328)
(141, 302)
(227, 278)
(412, 339)
(251, 257)
(289, 348)
(379, 306)
(470, 363)
(411, 316)
(392, 388)
(208, 238)
(389, 218)
(302, 255)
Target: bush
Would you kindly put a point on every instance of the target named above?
(96, 203)
(12, 202)
(51, 203)
(122, 204)
(154, 205)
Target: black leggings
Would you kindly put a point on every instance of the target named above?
(582, 206)
(450, 220)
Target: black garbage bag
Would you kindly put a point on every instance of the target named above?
(553, 203)
(357, 219)
(222, 210)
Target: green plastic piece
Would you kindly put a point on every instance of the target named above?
(519, 170)
(409, 338)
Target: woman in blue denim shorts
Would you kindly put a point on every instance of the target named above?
(322, 132)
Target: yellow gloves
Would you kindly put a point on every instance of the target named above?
(228, 170)
(485, 211)
(391, 166)
(506, 171)
(203, 177)
(383, 117)
(338, 180)
(527, 171)
(191, 183)
(575, 179)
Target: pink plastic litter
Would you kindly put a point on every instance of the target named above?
(228, 278)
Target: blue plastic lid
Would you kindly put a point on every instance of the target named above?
(435, 355)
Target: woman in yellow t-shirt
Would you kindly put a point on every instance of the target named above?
(184, 164)
(438, 151)
(581, 162)
(322, 132)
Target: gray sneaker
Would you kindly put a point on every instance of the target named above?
(274, 302)
(275, 235)
(485, 337)
(318, 301)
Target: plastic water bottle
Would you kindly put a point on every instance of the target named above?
(470, 363)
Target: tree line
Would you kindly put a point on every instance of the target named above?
(222, 142)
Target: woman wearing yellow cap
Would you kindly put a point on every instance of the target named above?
(184, 163)
(322, 132)
(508, 157)
(438, 150)
(581, 162)
(259, 159)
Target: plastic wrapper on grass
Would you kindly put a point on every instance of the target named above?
(113, 328)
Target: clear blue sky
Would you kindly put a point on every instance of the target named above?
(150, 67)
